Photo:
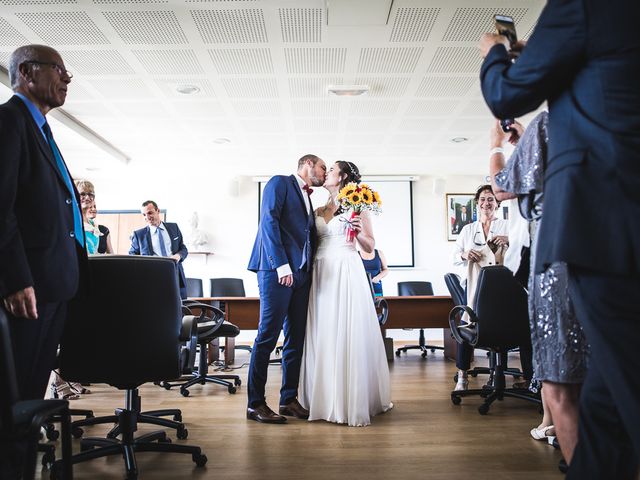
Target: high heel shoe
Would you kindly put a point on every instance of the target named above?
(63, 391)
(78, 388)
(542, 434)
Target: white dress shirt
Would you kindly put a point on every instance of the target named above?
(155, 243)
(472, 237)
(518, 237)
(284, 270)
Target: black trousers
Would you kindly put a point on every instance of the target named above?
(608, 307)
(35, 343)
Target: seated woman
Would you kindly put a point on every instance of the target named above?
(375, 264)
(104, 240)
(92, 233)
(483, 242)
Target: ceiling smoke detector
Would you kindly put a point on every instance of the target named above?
(348, 90)
(187, 89)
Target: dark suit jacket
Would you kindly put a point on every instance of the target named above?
(36, 216)
(287, 230)
(141, 245)
(584, 58)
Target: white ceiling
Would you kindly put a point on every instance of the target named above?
(262, 67)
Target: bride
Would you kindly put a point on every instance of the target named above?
(344, 376)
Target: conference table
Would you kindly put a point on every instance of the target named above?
(404, 312)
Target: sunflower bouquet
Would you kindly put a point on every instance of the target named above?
(358, 197)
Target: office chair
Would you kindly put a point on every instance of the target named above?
(194, 287)
(409, 289)
(459, 297)
(499, 322)
(210, 325)
(382, 307)
(20, 420)
(228, 287)
(135, 326)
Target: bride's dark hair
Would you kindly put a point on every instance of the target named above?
(351, 174)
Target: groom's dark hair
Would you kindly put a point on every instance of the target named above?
(309, 156)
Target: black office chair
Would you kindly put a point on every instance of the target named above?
(382, 307)
(210, 325)
(499, 322)
(459, 297)
(133, 319)
(409, 289)
(194, 287)
(20, 420)
(228, 287)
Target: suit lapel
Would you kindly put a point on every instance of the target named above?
(149, 242)
(171, 241)
(296, 187)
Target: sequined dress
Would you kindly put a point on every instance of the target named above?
(560, 350)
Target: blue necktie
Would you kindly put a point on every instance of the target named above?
(77, 216)
(163, 249)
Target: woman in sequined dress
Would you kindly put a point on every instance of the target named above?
(560, 349)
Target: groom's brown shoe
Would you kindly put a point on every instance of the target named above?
(294, 409)
(263, 414)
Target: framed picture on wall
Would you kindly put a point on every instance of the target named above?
(460, 211)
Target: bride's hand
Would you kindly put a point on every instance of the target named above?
(356, 224)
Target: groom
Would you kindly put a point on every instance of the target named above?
(283, 256)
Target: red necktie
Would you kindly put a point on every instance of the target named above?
(307, 189)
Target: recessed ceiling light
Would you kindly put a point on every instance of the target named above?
(459, 139)
(348, 90)
(187, 89)
(221, 141)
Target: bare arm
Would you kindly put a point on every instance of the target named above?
(497, 160)
(384, 270)
(364, 231)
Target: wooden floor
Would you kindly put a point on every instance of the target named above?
(424, 436)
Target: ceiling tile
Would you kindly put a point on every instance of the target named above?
(96, 62)
(71, 28)
(316, 87)
(242, 61)
(384, 86)
(301, 25)
(169, 87)
(389, 60)
(431, 108)
(230, 26)
(315, 108)
(373, 108)
(250, 87)
(413, 24)
(315, 60)
(455, 60)
(130, 88)
(194, 108)
(257, 109)
(262, 125)
(445, 86)
(168, 61)
(468, 24)
(316, 124)
(147, 27)
(10, 36)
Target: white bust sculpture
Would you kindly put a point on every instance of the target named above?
(198, 239)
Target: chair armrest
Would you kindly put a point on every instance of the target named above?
(455, 315)
(189, 328)
(382, 305)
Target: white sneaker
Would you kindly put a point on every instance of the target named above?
(463, 383)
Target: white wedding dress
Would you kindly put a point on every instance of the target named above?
(344, 376)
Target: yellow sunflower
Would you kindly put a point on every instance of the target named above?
(355, 198)
(346, 191)
(367, 196)
(376, 198)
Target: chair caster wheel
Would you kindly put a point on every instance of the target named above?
(77, 432)
(177, 418)
(182, 433)
(232, 389)
(455, 378)
(473, 373)
(433, 350)
(398, 352)
(424, 354)
(456, 400)
(184, 393)
(48, 459)
(483, 409)
(237, 382)
(200, 460)
(53, 434)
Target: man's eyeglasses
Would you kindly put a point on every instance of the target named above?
(56, 66)
(88, 194)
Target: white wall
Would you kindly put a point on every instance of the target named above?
(227, 207)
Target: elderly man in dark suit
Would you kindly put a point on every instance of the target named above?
(584, 59)
(161, 239)
(41, 236)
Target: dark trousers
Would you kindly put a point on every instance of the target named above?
(465, 351)
(281, 308)
(35, 345)
(608, 308)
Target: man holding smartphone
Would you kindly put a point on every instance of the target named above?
(584, 59)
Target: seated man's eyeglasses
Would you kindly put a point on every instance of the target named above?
(88, 194)
(56, 66)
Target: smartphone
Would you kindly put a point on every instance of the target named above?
(505, 26)
(506, 124)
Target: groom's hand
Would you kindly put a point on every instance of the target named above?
(287, 280)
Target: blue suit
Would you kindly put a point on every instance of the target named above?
(584, 59)
(286, 236)
(141, 245)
